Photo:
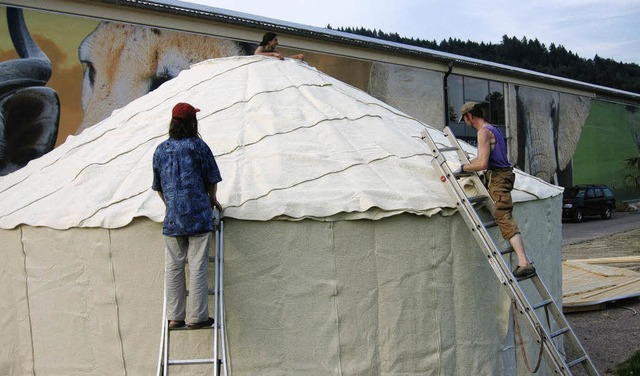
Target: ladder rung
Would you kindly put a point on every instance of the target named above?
(508, 250)
(187, 328)
(527, 277)
(491, 223)
(463, 174)
(542, 303)
(559, 332)
(450, 148)
(474, 199)
(190, 361)
(577, 361)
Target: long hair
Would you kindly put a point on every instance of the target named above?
(183, 128)
(267, 37)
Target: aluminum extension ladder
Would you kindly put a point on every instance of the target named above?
(532, 312)
(220, 355)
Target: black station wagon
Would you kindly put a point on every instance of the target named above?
(588, 200)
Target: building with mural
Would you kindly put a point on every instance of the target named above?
(104, 54)
(344, 254)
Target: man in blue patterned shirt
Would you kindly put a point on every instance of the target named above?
(185, 175)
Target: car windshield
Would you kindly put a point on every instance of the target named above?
(574, 192)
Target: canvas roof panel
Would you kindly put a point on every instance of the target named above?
(291, 143)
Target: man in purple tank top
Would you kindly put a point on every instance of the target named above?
(492, 156)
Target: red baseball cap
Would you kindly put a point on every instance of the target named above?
(184, 111)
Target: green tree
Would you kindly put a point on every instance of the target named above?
(632, 180)
(529, 54)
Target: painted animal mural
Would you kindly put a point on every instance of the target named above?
(123, 62)
(29, 111)
(549, 128)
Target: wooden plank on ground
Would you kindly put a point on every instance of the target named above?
(611, 260)
(587, 283)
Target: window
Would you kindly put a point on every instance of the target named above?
(574, 192)
(490, 94)
(607, 193)
(598, 193)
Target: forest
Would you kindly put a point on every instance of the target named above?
(528, 54)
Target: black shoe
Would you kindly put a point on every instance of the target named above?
(175, 324)
(524, 271)
(202, 324)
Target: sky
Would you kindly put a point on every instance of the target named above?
(608, 28)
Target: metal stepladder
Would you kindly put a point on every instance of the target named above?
(220, 354)
(532, 312)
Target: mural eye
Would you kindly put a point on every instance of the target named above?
(158, 80)
(89, 72)
(88, 82)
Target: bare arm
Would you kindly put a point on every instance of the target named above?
(261, 51)
(212, 189)
(481, 162)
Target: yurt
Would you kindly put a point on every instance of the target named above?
(344, 255)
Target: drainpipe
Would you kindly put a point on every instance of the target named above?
(445, 86)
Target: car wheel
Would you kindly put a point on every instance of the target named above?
(607, 213)
(578, 216)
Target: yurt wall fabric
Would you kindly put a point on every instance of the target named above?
(405, 295)
(16, 355)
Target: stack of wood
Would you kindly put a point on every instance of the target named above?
(591, 283)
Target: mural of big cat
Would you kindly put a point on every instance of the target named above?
(120, 62)
(29, 111)
(549, 128)
(123, 62)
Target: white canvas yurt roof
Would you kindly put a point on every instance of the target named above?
(337, 258)
(290, 141)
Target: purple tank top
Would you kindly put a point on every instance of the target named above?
(498, 156)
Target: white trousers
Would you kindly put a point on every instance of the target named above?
(195, 249)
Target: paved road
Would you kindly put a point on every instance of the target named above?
(594, 227)
(609, 336)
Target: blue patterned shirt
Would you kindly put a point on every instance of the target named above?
(182, 170)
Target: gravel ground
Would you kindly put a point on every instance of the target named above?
(610, 336)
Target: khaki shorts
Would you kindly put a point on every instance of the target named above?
(500, 186)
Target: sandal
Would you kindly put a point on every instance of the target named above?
(175, 324)
(524, 271)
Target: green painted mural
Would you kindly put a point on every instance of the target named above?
(611, 134)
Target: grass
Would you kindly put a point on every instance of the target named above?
(629, 367)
